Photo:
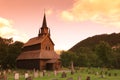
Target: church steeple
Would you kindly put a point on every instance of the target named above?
(44, 29)
(44, 21)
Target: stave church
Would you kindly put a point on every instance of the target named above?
(38, 52)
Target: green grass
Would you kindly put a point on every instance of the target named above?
(83, 72)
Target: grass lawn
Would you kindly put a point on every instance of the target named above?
(83, 73)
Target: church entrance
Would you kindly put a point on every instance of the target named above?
(49, 66)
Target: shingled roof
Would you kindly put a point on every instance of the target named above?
(37, 40)
(38, 54)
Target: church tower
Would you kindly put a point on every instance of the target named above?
(44, 30)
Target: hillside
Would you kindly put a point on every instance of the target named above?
(113, 39)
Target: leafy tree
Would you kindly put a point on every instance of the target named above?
(104, 52)
(67, 57)
(9, 51)
(116, 56)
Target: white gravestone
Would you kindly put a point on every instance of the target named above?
(16, 77)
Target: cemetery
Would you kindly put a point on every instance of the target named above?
(83, 73)
(37, 60)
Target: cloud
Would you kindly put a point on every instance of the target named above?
(7, 31)
(101, 11)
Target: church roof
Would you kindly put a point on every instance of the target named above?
(38, 54)
(37, 40)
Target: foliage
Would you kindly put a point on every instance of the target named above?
(9, 51)
(99, 51)
(67, 57)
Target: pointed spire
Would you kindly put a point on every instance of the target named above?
(44, 21)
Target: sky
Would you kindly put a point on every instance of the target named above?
(70, 21)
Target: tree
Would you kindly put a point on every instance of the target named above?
(116, 56)
(67, 57)
(104, 52)
(86, 57)
(9, 51)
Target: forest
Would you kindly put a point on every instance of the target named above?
(97, 51)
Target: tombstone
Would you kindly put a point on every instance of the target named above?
(70, 78)
(16, 76)
(41, 74)
(96, 73)
(48, 74)
(55, 72)
(4, 72)
(102, 76)
(1, 76)
(64, 75)
(79, 78)
(29, 78)
(72, 72)
(88, 78)
(9, 71)
(44, 72)
(5, 77)
(36, 74)
(26, 75)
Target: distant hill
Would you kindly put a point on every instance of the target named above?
(113, 39)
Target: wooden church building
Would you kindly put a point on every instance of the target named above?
(38, 52)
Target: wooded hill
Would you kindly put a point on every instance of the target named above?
(112, 39)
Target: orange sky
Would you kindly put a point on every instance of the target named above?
(70, 21)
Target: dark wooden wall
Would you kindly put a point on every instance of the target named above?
(28, 64)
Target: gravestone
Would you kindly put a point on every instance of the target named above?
(26, 75)
(44, 72)
(35, 74)
(55, 72)
(16, 76)
(41, 74)
(4, 72)
(29, 78)
(88, 78)
(96, 73)
(1, 76)
(64, 75)
(102, 76)
(79, 78)
(5, 77)
(9, 71)
(48, 74)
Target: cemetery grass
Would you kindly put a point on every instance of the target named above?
(83, 73)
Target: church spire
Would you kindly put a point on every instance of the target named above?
(44, 28)
(44, 21)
